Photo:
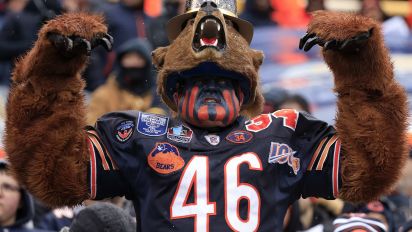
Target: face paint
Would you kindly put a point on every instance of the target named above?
(209, 102)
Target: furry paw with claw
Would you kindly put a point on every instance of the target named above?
(336, 31)
(74, 45)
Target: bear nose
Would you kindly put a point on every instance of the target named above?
(208, 7)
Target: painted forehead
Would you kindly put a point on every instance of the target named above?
(209, 80)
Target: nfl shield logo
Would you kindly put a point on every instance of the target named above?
(213, 139)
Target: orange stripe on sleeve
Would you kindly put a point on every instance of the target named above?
(325, 152)
(92, 170)
(114, 165)
(316, 154)
(335, 172)
(101, 153)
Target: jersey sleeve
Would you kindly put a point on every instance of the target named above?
(321, 148)
(106, 177)
(322, 175)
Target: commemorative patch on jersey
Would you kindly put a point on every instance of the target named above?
(152, 124)
(281, 153)
(124, 131)
(213, 139)
(239, 137)
(165, 158)
(180, 134)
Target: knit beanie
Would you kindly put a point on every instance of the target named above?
(103, 217)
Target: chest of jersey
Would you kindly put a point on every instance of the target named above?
(242, 178)
(218, 182)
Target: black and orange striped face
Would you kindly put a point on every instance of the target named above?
(209, 102)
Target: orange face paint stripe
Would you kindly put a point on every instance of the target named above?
(184, 104)
(203, 113)
(230, 104)
(220, 113)
(192, 99)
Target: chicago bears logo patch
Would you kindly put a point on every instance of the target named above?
(124, 131)
(152, 124)
(239, 137)
(165, 158)
(281, 153)
(180, 134)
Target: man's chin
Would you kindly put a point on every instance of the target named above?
(209, 124)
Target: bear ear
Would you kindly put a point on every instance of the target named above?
(257, 57)
(158, 57)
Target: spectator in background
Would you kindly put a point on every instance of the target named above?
(296, 102)
(126, 20)
(157, 27)
(94, 73)
(409, 17)
(16, 205)
(395, 27)
(258, 12)
(314, 5)
(20, 31)
(273, 96)
(373, 9)
(131, 87)
(102, 217)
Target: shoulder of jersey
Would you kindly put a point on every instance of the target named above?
(274, 122)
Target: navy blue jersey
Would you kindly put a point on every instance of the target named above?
(242, 178)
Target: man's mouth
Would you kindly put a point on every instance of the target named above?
(210, 100)
(209, 34)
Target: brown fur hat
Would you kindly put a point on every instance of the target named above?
(236, 57)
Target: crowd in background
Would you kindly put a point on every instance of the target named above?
(124, 79)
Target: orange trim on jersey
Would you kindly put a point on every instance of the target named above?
(316, 154)
(92, 170)
(335, 172)
(325, 152)
(101, 153)
(113, 164)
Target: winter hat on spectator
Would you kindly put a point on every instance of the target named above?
(358, 222)
(103, 217)
(361, 219)
(406, 227)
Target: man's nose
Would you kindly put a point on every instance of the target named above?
(209, 7)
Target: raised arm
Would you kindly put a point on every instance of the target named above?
(372, 110)
(45, 135)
